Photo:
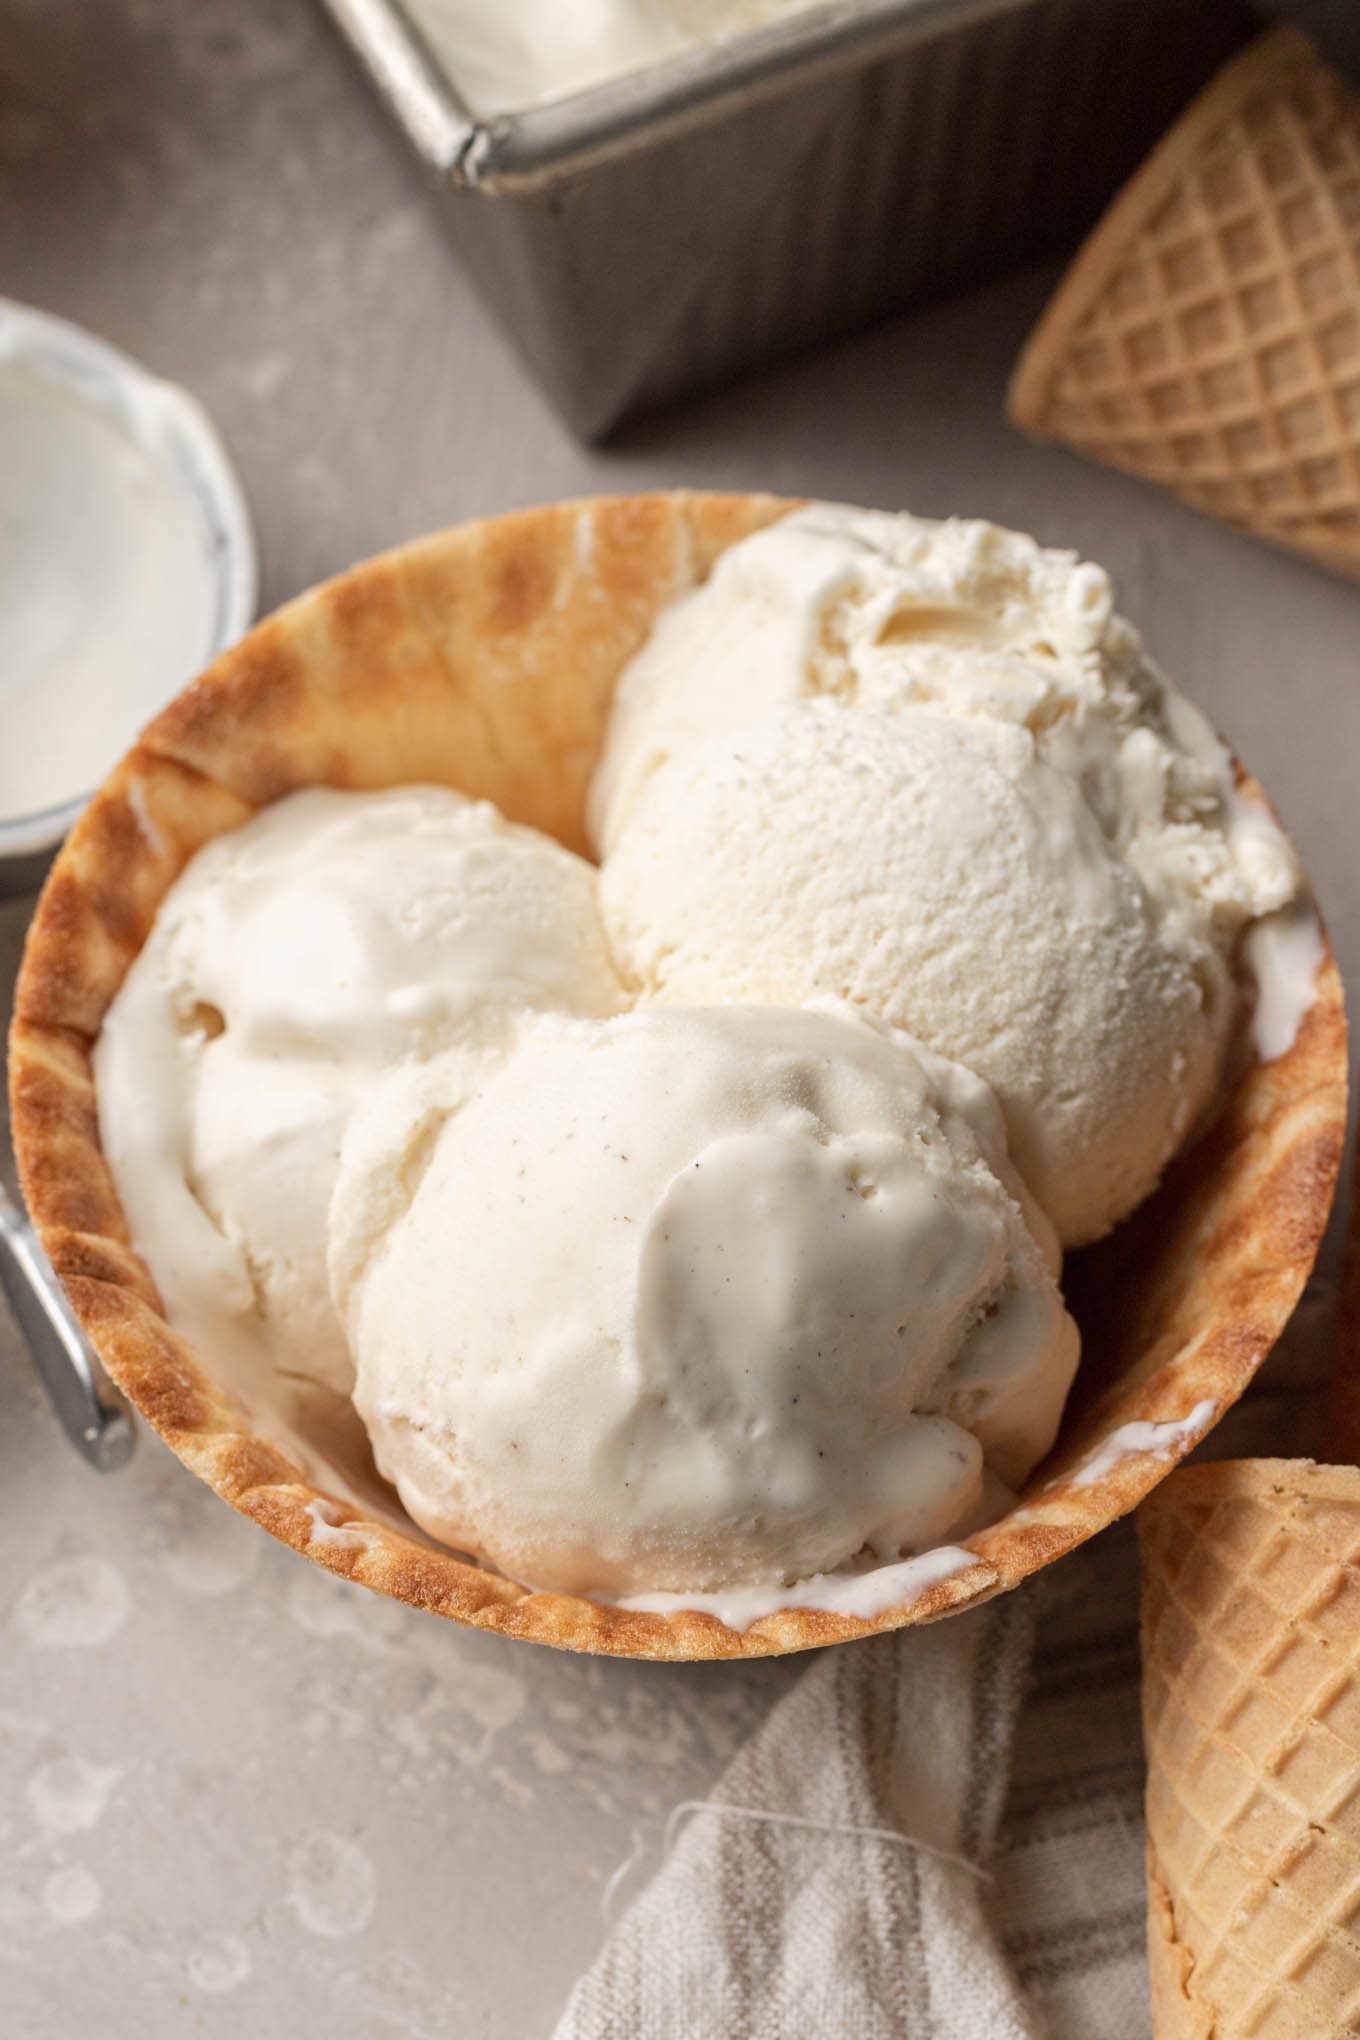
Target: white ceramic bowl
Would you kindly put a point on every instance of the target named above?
(171, 433)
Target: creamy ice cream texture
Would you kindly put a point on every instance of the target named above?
(505, 57)
(926, 768)
(691, 1297)
(334, 937)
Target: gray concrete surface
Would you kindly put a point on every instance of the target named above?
(237, 1796)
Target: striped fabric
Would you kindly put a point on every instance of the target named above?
(1069, 1902)
(757, 1930)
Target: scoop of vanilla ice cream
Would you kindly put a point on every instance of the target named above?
(938, 873)
(334, 936)
(889, 611)
(689, 1298)
(854, 614)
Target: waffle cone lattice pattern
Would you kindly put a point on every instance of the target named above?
(1208, 337)
(1251, 1655)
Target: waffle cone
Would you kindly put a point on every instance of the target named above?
(1207, 336)
(1251, 1712)
(484, 658)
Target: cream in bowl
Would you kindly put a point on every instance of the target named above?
(126, 563)
(694, 1301)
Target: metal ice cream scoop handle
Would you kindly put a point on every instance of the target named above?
(95, 1416)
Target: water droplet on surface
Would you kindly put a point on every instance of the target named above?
(333, 1886)
(220, 1963)
(76, 1602)
(72, 1895)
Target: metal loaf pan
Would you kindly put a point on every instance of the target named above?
(661, 232)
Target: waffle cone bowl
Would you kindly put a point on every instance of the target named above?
(484, 658)
(1208, 335)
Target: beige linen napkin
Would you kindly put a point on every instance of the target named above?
(775, 1931)
(758, 1931)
